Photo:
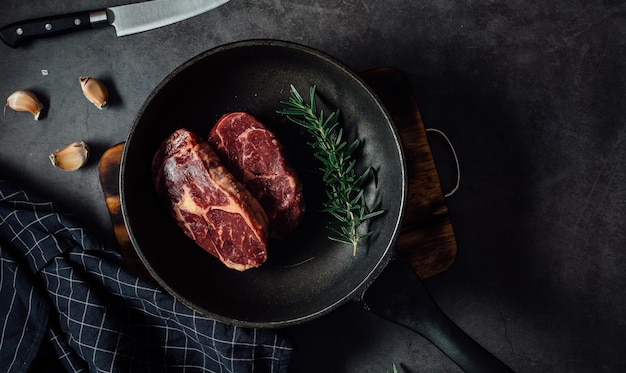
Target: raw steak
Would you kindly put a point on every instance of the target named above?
(208, 203)
(254, 155)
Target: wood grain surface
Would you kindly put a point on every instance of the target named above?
(427, 238)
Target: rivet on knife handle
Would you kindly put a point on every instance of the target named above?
(14, 34)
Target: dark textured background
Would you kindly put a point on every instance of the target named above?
(532, 94)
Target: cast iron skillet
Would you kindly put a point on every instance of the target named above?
(306, 275)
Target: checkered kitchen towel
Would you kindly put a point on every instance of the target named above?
(68, 304)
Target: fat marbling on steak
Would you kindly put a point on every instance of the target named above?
(208, 203)
(254, 155)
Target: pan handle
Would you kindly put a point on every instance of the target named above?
(408, 304)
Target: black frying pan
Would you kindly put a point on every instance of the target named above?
(306, 275)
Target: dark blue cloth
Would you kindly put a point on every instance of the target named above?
(68, 302)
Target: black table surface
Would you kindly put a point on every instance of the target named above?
(532, 95)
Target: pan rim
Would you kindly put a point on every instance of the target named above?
(356, 294)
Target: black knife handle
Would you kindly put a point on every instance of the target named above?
(14, 34)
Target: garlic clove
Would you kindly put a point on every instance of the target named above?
(71, 157)
(24, 100)
(95, 91)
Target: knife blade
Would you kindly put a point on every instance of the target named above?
(127, 19)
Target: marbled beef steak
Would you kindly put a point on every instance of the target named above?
(208, 203)
(254, 155)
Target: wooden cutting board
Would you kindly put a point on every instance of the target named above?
(427, 238)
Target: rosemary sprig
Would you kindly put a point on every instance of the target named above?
(344, 187)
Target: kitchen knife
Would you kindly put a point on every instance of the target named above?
(127, 19)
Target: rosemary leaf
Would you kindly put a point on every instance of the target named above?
(344, 188)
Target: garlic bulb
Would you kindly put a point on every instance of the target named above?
(24, 101)
(95, 91)
(71, 157)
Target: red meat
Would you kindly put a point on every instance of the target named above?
(208, 203)
(254, 155)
